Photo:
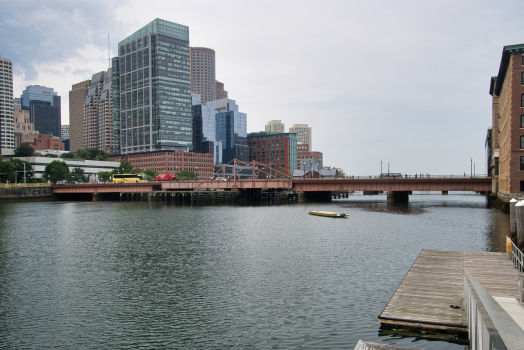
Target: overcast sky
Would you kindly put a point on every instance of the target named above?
(405, 82)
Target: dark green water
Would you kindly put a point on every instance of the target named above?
(111, 275)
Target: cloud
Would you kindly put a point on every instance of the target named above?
(404, 81)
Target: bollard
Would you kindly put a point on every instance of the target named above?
(519, 213)
(512, 218)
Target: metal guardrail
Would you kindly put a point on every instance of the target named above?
(515, 254)
(489, 325)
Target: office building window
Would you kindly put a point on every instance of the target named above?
(522, 100)
(522, 142)
(522, 121)
(522, 78)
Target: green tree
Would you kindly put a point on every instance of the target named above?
(105, 175)
(151, 174)
(91, 154)
(77, 175)
(136, 171)
(19, 166)
(24, 151)
(56, 171)
(124, 168)
(186, 175)
(7, 171)
(69, 155)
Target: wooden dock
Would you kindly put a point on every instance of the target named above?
(435, 282)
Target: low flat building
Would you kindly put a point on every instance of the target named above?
(171, 162)
(90, 167)
(46, 142)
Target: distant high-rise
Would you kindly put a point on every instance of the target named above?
(275, 126)
(44, 109)
(231, 130)
(155, 93)
(7, 121)
(204, 129)
(203, 73)
(303, 132)
(77, 99)
(221, 93)
(98, 124)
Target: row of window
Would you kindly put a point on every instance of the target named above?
(266, 150)
(267, 143)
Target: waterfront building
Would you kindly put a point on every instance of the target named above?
(77, 99)
(203, 73)
(231, 130)
(98, 123)
(303, 132)
(153, 72)
(275, 126)
(275, 152)
(44, 109)
(221, 93)
(171, 162)
(7, 122)
(302, 156)
(90, 167)
(45, 142)
(507, 141)
(204, 129)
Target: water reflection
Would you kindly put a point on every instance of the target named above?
(154, 275)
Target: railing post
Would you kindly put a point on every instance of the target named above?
(519, 213)
(512, 217)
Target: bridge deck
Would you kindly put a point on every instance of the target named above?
(435, 281)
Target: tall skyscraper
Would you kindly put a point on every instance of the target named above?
(203, 73)
(44, 109)
(155, 92)
(303, 132)
(98, 123)
(275, 126)
(77, 99)
(231, 130)
(7, 121)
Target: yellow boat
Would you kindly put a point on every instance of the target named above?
(328, 214)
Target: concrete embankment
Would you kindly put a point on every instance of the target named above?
(26, 193)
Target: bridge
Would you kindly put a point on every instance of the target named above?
(398, 189)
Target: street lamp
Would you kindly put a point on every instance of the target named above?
(196, 173)
(471, 166)
(474, 171)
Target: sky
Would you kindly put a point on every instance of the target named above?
(400, 84)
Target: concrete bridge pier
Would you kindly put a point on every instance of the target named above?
(444, 192)
(398, 196)
(314, 196)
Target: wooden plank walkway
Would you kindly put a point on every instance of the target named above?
(435, 281)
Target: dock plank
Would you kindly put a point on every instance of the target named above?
(435, 281)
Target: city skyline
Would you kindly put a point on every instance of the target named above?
(404, 83)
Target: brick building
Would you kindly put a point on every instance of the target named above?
(171, 162)
(309, 155)
(275, 151)
(46, 142)
(507, 141)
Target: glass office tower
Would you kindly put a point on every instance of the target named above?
(231, 130)
(155, 97)
(44, 109)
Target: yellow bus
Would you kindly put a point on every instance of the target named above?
(129, 178)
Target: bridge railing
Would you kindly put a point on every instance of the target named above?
(24, 185)
(405, 176)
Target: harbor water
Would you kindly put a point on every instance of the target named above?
(137, 275)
